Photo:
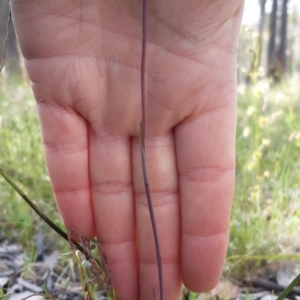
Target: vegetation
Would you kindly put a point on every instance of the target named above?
(265, 209)
(266, 203)
(22, 159)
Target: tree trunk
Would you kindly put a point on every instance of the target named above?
(281, 56)
(261, 29)
(252, 74)
(272, 41)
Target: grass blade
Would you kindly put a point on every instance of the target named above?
(289, 288)
(6, 40)
(38, 212)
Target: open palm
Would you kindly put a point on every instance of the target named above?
(83, 58)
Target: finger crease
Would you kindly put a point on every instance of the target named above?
(112, 187)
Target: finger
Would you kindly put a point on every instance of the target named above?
(65, 142)
(206, 161)
(114, 212)
(161, 163)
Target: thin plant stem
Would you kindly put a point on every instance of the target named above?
(289, 288)
(143, 153)
(6, 40)
(143, 72)
(38, 212)
(152, 217)
(270, 257)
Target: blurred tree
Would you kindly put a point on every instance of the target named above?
(272, 41)
(12, 61)
(293, 36)
(262, 4)
(281, 55)
(251, 75)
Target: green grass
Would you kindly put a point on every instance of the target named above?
(266, 207)
(266, 210)
(22, 158)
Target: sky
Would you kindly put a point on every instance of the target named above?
(251, 12)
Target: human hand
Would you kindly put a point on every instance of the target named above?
(83, 59)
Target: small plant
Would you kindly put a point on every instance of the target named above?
(193, 296)
(99, 272)
(3, 296)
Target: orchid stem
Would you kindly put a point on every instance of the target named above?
(143, 152)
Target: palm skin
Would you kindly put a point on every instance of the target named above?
(83, 59)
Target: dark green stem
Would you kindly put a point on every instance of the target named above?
(35, 208)
(289, 288)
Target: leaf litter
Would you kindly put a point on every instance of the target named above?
(52, 276)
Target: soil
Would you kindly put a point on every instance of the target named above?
(56, 275)
(50, 273)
